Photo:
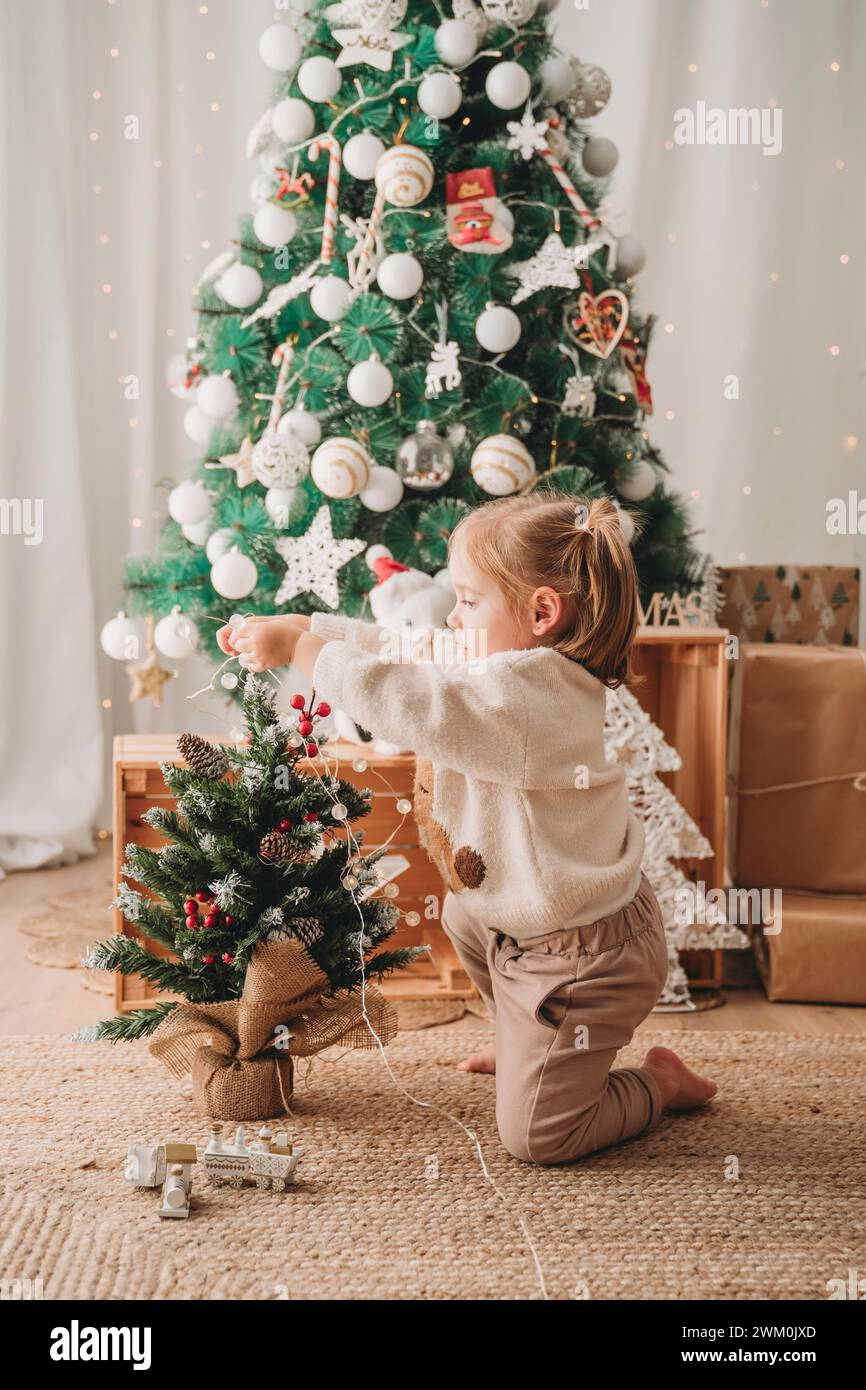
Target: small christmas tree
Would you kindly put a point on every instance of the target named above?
(254, 853)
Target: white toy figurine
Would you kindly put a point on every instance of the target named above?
(145, 1165)
(177, 1188)
(402, 599)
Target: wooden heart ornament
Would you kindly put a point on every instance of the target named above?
(597, 322)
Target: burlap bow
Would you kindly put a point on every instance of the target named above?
(240, 1056)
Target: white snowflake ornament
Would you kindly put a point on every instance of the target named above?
(312, 561)
(528, 135)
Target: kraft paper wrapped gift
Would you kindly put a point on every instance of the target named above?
(819, 954)
(791, 603)
(797, 768)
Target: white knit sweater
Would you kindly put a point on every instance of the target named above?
(514, 799)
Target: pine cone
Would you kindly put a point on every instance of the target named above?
(205, 759)
(278, 847)
(307, 930)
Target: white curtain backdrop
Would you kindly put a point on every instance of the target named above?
(103, 236)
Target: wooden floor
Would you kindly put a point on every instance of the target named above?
(36, 1000)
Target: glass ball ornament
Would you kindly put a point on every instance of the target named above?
(498, 328)
(228, 680)
(424, 460)
(590, 92)
(400, 275)
(294, 740)
(329, 298)
(319, 78)
(383, 492)
(351, 881)
(404, 806)
(599, 156)
(240, 286)
(339, 811)
(176, 635)
(412, 919)
(303, 424)
(522, 425)
(359, 764)
(361, 154)
(274, 226)
(121, 638)
(234, 575)
(189, 503)
(217, 396)
(440, 95)
(280, 47)
(456, 42)
(370, 383)
(391, 890)
(507, 85)
(293, 120)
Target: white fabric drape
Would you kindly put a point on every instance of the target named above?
(168, 201)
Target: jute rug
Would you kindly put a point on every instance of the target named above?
(762, 1194)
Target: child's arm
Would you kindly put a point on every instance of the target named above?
(334, 627)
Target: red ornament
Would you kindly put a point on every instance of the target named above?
(227, 958)
(212, 919)
(229, 921)
(285, 824)
(323, 709)
(190, 905)
(203, 897)
(297, 702)
(208, 960)
(311, 815)
(312, 750)
(192, 921)
(305, 727)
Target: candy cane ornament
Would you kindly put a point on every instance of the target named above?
(590, 219)
(529, 137)
(329, 142)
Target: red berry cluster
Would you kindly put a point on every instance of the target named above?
(306, 718)
(214, 917)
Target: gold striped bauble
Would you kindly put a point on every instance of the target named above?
(501, 465)
(404, 175)
(340, 467)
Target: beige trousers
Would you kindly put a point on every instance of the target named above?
(563, 1008)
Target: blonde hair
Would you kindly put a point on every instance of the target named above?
(544, 539)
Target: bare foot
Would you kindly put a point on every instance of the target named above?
(485, 1060)
(681, 1088)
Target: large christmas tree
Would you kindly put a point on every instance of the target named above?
(427, 307)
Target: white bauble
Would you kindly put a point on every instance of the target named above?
(121, 638)
(176, 373)
(278, 504)
(630, 256)
(319, 78)
(197, 532)
(642, 482)
(501, 465)
(626, 522)
(361, 154)
(176, 635)
(498, 328)
(456, 42)
(557, 78)
(513, 12)
(217, 396)
(197, 425)
(374, 553)
(384, 490)
(400, 275)
(507, 85)
(370, 383)
(280, 47)
(280, 460)
(189, 503)
(405, 175)
(274, 226)
(234, 575)
(218, 542)
(329, 297)
(293, 120)
(599, 156)
(341, 467)
(240, 286)
(440, 95)
(303, 424)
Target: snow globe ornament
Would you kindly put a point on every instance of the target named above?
(280, 460)
(424, 460)
(509, 11)
(404, 176)
(501, 465)
(341, 467)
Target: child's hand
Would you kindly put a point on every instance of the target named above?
(224, 640)
(265, 642)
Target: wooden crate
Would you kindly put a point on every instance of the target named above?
(684, 692)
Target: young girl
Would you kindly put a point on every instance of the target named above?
(517, 806)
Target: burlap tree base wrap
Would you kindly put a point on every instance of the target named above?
(240, 1052)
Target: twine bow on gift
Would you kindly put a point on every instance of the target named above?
(239, 1053)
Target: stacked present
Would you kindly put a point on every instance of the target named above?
(790, 603)
(797, 821)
